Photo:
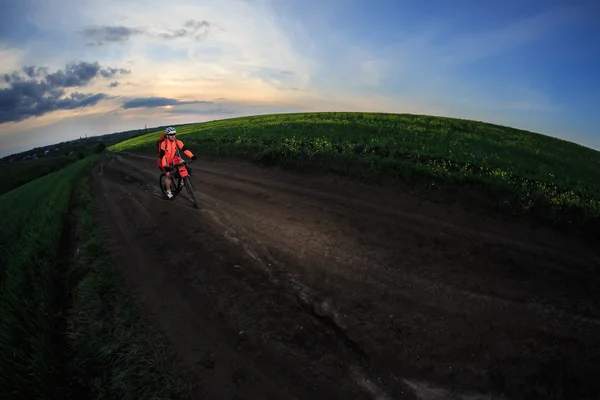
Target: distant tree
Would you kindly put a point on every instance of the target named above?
(100, 147)
(80, 155)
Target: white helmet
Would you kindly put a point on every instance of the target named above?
(170, 131)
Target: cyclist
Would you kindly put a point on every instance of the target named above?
(168, 155)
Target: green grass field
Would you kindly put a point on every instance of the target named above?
(518, 171)
(52, 253)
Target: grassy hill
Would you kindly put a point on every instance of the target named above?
(517, 171)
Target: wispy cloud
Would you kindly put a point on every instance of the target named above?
(102, 34)
(190, 29)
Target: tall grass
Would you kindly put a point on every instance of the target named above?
(520, 171)
(32, 217)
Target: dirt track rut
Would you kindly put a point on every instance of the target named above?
(284, 286)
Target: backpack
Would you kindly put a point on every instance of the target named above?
(158, 142)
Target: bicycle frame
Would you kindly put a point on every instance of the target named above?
(178, 173)
(181, 166)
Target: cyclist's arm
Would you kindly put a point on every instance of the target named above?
(185, 150)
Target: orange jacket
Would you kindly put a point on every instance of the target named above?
(168, 151)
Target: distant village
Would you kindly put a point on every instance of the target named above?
(70, 147)
(82, 145)
(34, 156)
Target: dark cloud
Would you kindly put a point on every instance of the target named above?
(214, 111)
(111, 72)
(113, 84)
(147, 102)
(74, 74)
(32, 99)
(196, 24)
(35, 92)
(103, 34)
(283, 72)
(80, 74)
(12, 78)
(34, 72)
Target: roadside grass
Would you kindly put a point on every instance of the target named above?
(66, 321)
(32, 217)
(516, 171)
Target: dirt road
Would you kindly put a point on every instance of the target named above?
(288, 287)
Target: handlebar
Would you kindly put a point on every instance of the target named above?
(173, 167)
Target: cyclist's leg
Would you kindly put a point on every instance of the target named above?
(169, 176)
(168, 181)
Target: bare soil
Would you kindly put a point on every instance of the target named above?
(290, 286)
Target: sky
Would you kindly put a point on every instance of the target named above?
(71, 68)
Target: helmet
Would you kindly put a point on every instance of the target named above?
(170, 131)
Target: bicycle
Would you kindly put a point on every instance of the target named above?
(180, 178)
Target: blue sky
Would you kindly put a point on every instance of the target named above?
(530, 64)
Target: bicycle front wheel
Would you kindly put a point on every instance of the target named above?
(190, 190)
